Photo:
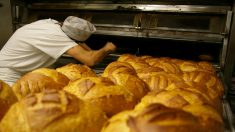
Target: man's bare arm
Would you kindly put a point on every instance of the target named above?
(85, 46)
(91, 57)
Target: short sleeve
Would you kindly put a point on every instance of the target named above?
(54, 45)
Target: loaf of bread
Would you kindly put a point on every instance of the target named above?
(188, 101)
(209, 118)
(127, 57)
(39, 80)
(118, 122)
(211, 81)
(168, 67)
(153, 60)
(76, 71)
(117, 67)
(7, 98)
(158, 81)
(189, 66)
(138, 64)
(178, 98)
(154, 118)
(52, 111)
(132, 83)
(110, 98)
(146, 57)
(53, 74)
(147, 70)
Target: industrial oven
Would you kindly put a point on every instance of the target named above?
(184, 29)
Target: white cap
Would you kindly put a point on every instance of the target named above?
(77, 28)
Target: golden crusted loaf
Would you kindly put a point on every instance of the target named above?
(154, 118)
(211, 81)
(76, 71)
(39, 80)
(7, 98)
(148, 70)
(52, 111)
(126, 57)
(189, 66)
(53, 74)
(158, 81)
(117, 67)
(188, 101)
(209, 118)
(208, 93)
(138, 64)
(132, 83)
(109, 97)
(166, 66)
(177, 98)
(118, 122)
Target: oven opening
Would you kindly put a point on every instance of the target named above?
(187, 50)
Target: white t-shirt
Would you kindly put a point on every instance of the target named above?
(33, 46)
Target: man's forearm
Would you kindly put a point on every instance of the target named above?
(90, 57)
(98, 55)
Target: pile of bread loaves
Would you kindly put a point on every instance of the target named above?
(133, 94)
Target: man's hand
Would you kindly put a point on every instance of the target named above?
(109, 46)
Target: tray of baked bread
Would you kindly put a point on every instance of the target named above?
(132, 94)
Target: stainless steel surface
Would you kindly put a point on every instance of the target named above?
(162, 34)
(228, 117)
(140, 7)
(143, 20)
(230, 57)
(17, 12)
(225, 40)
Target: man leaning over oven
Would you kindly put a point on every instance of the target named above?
(41, 43)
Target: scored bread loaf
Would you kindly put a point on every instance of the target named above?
(158, 81)
(53, 111)
(199, 89)
(138, 64)
(118, 122)
(168, 67)
(39, 80)
(117, 67)
(109, 97)
(132, 83)
(157, 117)
(146, 57)
(154, 60)
(178, 98)
(127, 57)
(209, 118)
(153, 118)
(7, 98)
(188, 101)
(211, 81)
(76, 71)
(189, 66)
(53, 74)
(148, 70)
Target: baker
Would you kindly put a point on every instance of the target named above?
(41, 43)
